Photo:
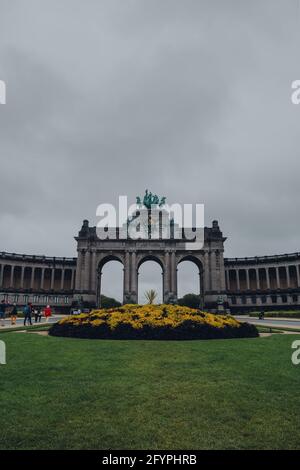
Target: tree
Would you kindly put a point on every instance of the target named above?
(108, 302)
(190, 300)
(150, 296)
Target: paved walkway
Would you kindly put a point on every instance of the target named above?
(269, 322)
(20, 322)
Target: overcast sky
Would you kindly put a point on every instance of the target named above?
(190, 99)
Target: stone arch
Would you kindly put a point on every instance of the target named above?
(107, 258)
(193, 258)
(101, 263)
(156, 258)
(199, 263)
(151, 257)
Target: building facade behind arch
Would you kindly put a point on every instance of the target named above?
(240, 284)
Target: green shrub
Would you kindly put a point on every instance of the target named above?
(190, 300)
(109, 302)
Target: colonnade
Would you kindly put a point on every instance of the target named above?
(262, 278)
(25, 273)
(270, 281)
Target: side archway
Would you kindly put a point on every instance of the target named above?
(193, 267)
(109, 260)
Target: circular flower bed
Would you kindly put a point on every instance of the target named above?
(152, 322)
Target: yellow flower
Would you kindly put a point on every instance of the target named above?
(151, 316)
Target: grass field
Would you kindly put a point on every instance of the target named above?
(59, 393)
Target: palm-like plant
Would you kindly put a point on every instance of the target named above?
(151, 296)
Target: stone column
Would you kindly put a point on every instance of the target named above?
(288, 281)
(42, 278)
(176, 284)
(126, 283)
(93, 281)
(62, 279)
(257, 279)
(207, 278)
(237, 280)
(297, 271)
(277, 277)
(200, 286)
(73, 278)
(87, 270)
(98, 290)
(22, 276)
(12, 276)
(52, 278)
(134, 287)
(126, 289)
(215, 285)
(78, 271)
(268, 278)
(222, 272)
(174, 274)
(247, 279)
(1, 274)
(166, 280)
(32, 277)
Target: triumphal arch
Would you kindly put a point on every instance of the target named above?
(168, 251)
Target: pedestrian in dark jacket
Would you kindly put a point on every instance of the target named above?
(37, 315)
(27, 314)
(13, 314)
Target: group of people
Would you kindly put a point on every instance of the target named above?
(28, 311)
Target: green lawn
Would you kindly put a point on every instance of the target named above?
(59, 393)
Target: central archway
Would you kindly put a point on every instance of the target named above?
(152, 275)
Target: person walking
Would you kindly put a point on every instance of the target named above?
(3, 306)
(27, 314)
(13, 314)
(261, 315)
(47, 312)
(37, 315)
